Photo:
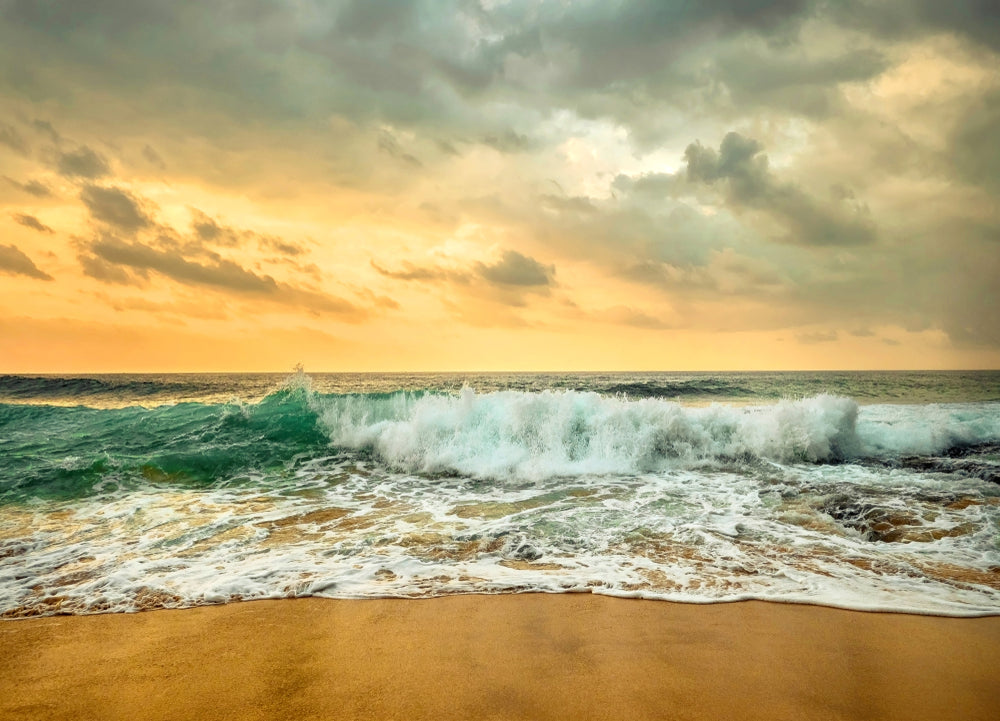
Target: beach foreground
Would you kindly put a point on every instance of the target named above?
(501, 657)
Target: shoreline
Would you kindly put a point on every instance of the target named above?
(508, 656)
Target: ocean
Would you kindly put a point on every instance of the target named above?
(868, 490)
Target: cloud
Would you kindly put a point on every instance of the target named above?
(103, 258)
(13, 140)
(413, 272)
(515, 269)
(506, 282)
(793, 79)
(388, 144)
(115, 207)
(973, 19)
(741, 168)
(31, 187)
(975, 151)
(855, 191)
(221, 274)
(45, 128)
(105, 272)
(30, 221)
(208, 230)
(150, 154)
(14, 262)
(818, 337)
(280, 246)
(82, 163)
(508, 142)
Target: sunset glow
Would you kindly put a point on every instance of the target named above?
(491, 185)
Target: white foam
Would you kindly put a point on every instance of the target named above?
(538, 435)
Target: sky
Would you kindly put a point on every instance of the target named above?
(376, 185)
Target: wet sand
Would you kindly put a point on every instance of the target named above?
(535, 656)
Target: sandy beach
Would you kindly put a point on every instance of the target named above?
(500, 657)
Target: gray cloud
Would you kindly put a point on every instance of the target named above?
(508, 142)
(388, 144)
(100, 269)
(150, 154)
(442, 65)
(31, 187)
(221, 274)
(742, 168)
(105, 258)
(975, 150)
(514, 269)
(30, 221)
(412, 272)
(13, 140)
(14, 262)
(208, 230)
(973, 19)
(115, 207)
(82, 163)
(790, 80)
(280, 246)
(375, 94)
(45, 128)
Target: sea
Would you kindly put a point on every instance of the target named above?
(877, 491)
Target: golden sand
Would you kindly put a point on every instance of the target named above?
(533, 656)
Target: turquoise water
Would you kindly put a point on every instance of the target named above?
(861, 490)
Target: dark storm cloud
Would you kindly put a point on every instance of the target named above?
(789, 80)
(741, 168)
(977, 20)
(115, 207)
(82, 163)
(432, 65)
(30, 221)
(330, 90)
(517, 270)
(31, 187)
(422, 65)
(15, 262)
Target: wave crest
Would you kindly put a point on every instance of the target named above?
(536, 435)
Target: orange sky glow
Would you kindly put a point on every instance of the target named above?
(377, 186)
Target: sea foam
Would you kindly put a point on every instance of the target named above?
(537, 435)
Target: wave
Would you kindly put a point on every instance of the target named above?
(64, 452)
(82, 387)
(535, 435)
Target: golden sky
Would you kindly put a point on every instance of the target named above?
(489, 185)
